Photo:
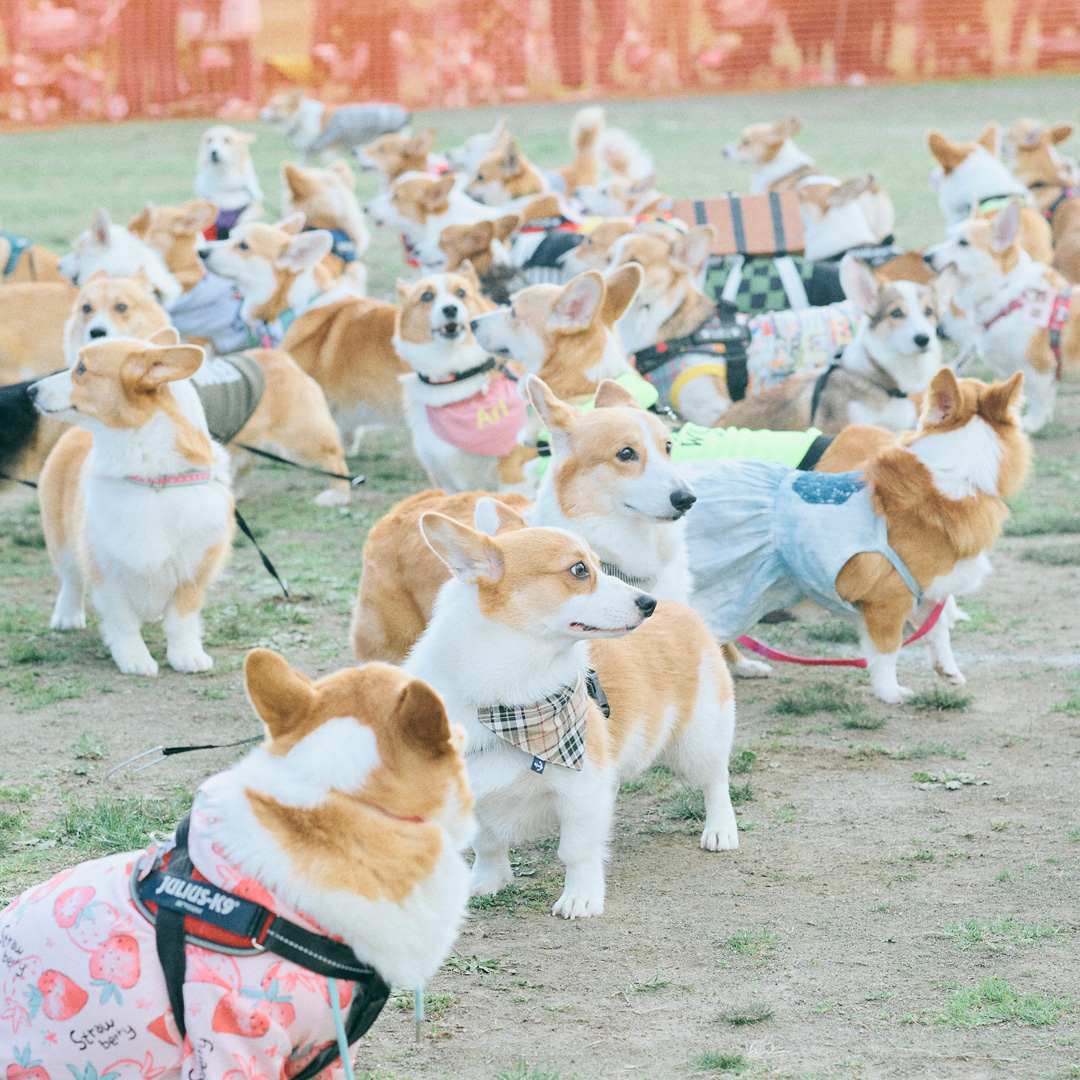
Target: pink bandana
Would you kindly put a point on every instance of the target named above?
(486, 423)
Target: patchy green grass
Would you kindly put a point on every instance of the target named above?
(720, 1061)
(834, 632)
(923, 750)
(752, 942)
(36, 689)
(88, 748)
(863, 722)
(940, 699)
(1042, 523)
(1054, 555)
(653, 985)
(994, 932)
(109, 824)
(751, 1014)
(996, 1002)
(820, 696)
(434, 1004)
(742, 761)
(472, 965)
(524, 1071)
(1070, 706)
(515, 898)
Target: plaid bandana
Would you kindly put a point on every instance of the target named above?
(551, 730)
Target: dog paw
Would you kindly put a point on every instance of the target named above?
(750, 669)
(190, 660)
(488, 886)
(578, 907)
(331, 497)
(724, 839)
(75, 620)
(895, 695)
(955, 677)
(134, 663)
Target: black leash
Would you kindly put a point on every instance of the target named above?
(354, 480)
(15, 479)
(246, 530)
(169, 751)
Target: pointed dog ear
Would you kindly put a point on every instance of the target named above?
(576, 308)
(471, 556)
(787, 128)
(344, 173)
(560, 418)
(167, 335)
(197, 215)
(282, 698)
(610, 395)
(511, 161)
(946, 153)
(622, 286)
(988, 140)
(996, 401)
(149, 368)
(439, 191)
(942, 397)
(141, 221)
(691, 250)
(492, 517)
(1004, 227)
(99, 226)
(293, 224)
(860, 285)
(305, 250)
(1060, 132)
(296, 179)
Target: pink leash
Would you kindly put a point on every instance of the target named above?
(833, 661)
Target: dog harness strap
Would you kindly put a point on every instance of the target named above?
(776, 211)
(169, 934)
(715, 335)
(596, 691)
(815, 453)
(645, 583)
(344, 246)
(1059, 315)
(819, 389)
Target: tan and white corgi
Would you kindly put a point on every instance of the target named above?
(483, 245)
(391, 156)
(890, 542)
(112, 248)
(24, 261)
(327, 199)
(540, 753)
(970, 178)
(343, 341)
(135, 500)
(348, 821)
(313, 127)
(279, 408)
(778, 164)
(841, 216)
(619, 196)
(32, 317)
(564, 333)
(595, 250)
(894, 354)
(507, 179)
(1021, 310)
(226, 176)
(611, 481)
(465, 159)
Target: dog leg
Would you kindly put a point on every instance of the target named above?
(183, 633)
(743, 666)
(881, 635)
(954, 612)
(357, 438)
(69, 612)
(491, 867)
(939, 643)
(584, 827)
(1041, 391)
(121, 629)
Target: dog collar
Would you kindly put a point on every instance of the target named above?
(645, 583)
(999, 202)
(458, 376)
(160, 483)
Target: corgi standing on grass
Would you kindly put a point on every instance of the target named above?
(135, 500)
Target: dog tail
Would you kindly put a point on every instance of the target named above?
(586, 129)
(623, 155)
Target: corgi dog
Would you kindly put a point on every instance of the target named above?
(464, 413)
(970, 178)
(483, 245)
(619, 196)
(565, 334)
(327, 200)
(611, 481)
(465, 159)
(135, 500)
(314, 128)
(540, 754)
(888, 543)
(349, 821)
(343, 341)
(226, 176)
(1021, 310)
(260, 398)
(112, 248)
(391, 156)
(32, 316)
(840, 217)
(595, 250)
(21, 260)
(507, 179)
(777, 163)
(893, 356)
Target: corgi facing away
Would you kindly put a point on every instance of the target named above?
(135, 501)
(778, 164)
(348, 821)
(535, 605)
(390, 156)
(226, 176)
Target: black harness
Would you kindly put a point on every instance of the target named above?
(178, 896)
(1067, 192)
(822, 381)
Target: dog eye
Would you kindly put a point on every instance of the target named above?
(961, 243)
(243, 245)
(121, 308)
(896, 313)
(580, 571)
(86, 309)
(929, 313)
(628, 453)
(667, 448)
(427, 296)
(460, 294)
(80, 368)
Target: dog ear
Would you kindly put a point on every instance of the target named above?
(305, 250)
(477, 238)
(988, 140)
(280, 696)
(439, 191)
(296, 180)
(944, 287)
(999, 398)
(642, 185)
(622, 286)
(501, 131)
(947, 154)
(99, 227)
(1004, 227)
(422, 143)
(155, 365)
(197, 215)
(942, 397)
(510, 164)
(859, 284)
(167, 335)
(340, 167)
(420, 717)
(471, 556)
(138, 225)
(293, 224)
(403, 288)
(101, 273)
(560, 418)
(787, 128)
(506, 226)
(610, 395)
(468, 271)
(850, 190)
(492, 517)
(691, 250)
(576, 308)
(1060, 132)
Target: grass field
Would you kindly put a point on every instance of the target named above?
(904, 899)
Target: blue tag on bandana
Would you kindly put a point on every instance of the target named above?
(538, 764)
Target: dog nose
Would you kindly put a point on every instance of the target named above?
(204, 254)
(682, 500)
(450, 311)
(473, 324)
(97, 331)
(646, 604)
(928, 258)
(31, 391)
(214, 156)
(922, 340)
